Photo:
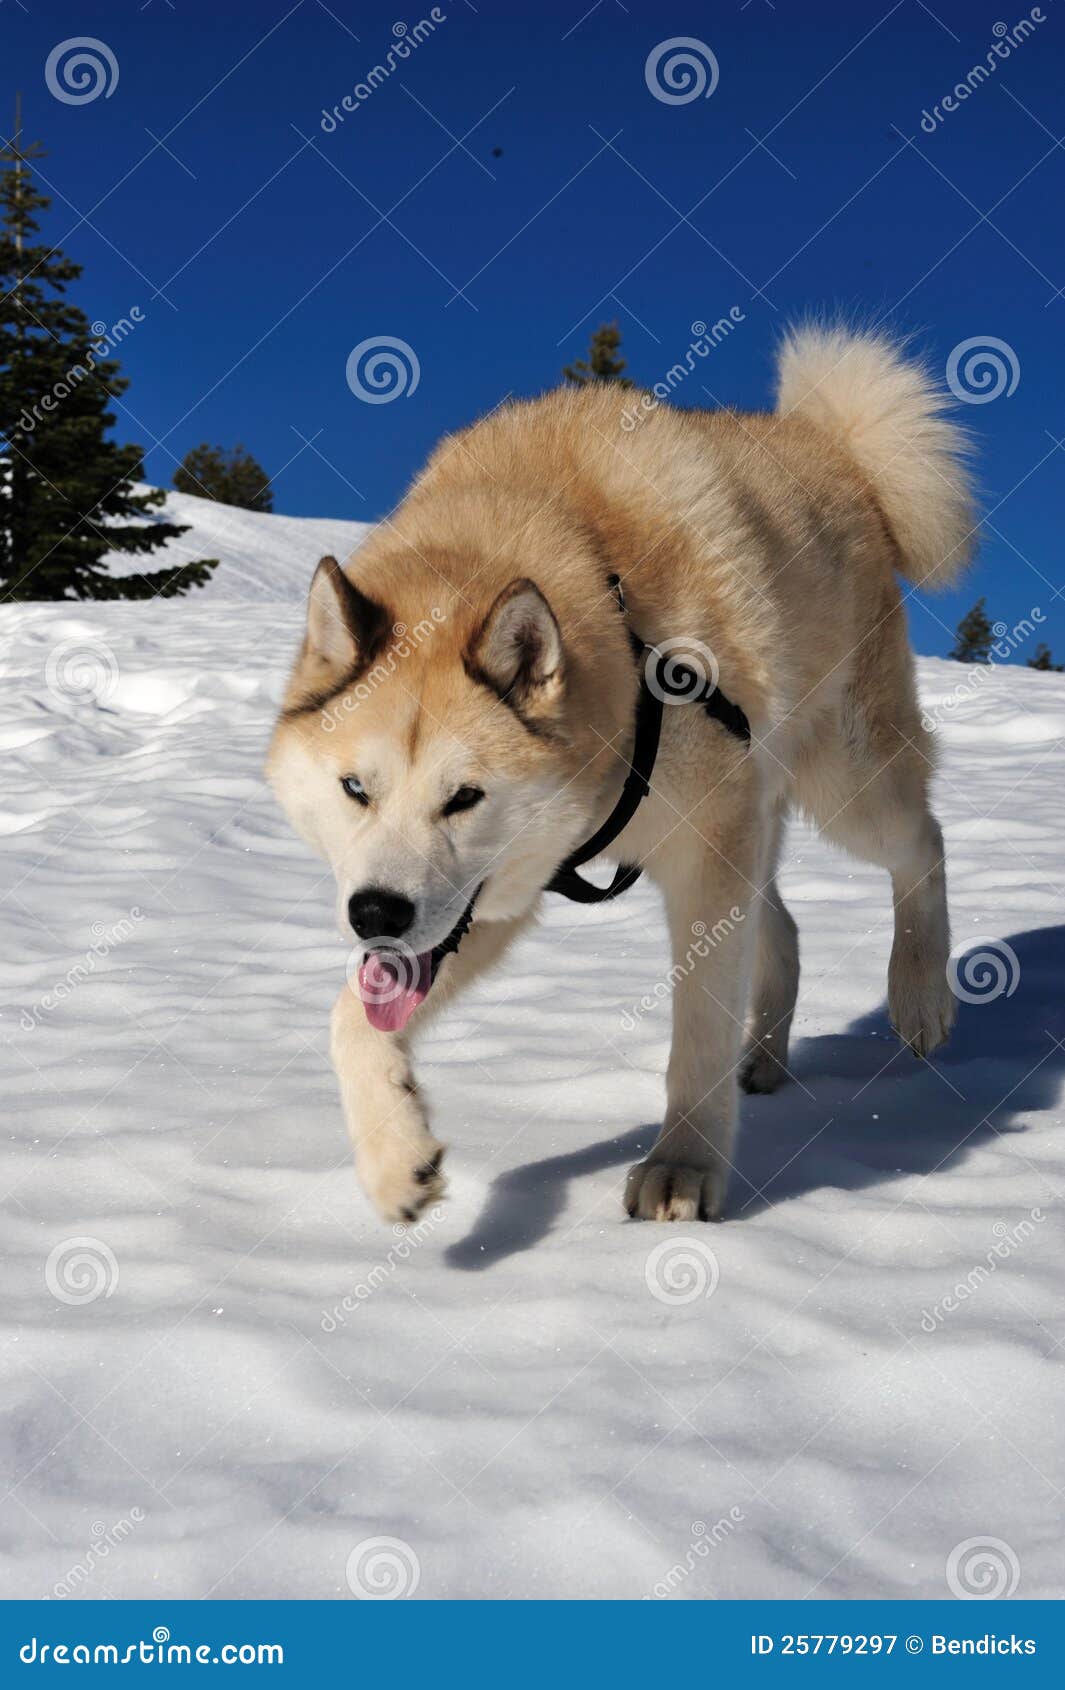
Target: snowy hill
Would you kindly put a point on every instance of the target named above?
(225, 1377)
(260, 557)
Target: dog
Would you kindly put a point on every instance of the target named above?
(462, 714)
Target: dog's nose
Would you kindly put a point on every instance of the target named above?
(379, 914)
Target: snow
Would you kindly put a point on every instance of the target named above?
(260, 556)
(224, 1376)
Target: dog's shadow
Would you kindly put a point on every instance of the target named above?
(863, 1110)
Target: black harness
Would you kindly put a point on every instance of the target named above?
(672, 680)
(679, 683)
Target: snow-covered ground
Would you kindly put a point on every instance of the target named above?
(260, 557)
(223, 1376)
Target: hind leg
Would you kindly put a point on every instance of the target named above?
(874, 803)
(920, 1001)
(775, 982)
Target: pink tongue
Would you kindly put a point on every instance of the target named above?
(392, 985)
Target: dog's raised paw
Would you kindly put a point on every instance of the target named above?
(668, 1191)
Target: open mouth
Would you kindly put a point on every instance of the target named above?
(393, 979)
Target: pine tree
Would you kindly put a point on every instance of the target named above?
(602, 363)
(974, 636)
(70, 493)
(1044, 660)
(229, 474)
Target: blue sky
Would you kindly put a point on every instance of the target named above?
(262, 248)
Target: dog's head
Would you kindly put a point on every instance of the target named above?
(429, 753)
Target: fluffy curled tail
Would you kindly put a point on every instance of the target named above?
(889, 414)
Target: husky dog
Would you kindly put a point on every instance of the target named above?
(461, 718)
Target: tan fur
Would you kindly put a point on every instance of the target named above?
(771, 541)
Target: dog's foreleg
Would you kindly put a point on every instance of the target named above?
(397, 1158)
(707, 899)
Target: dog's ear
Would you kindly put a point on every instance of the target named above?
(518, 652)
(344, 627)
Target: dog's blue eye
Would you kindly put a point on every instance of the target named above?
(464, 799)
(354, 788)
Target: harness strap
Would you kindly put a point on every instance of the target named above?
(637, 785)
(728, 714)
(454, 939)
(670, 677)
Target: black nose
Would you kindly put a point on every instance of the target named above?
(377, 914)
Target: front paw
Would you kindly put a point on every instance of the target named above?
(403, 1180)
(670, 1191)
